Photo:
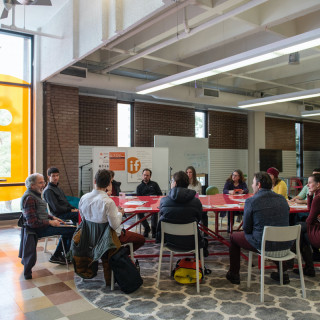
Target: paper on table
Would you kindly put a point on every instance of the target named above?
(240, 200)
(131, 197)
(226, 206)
(206, 206)
(299, 206)
(202, 196)
(144, 208)
(135, 203)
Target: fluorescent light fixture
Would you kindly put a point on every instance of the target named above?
(300, 42)
(299, 95)
(313, 113)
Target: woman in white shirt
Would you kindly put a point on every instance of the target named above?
(194, 184)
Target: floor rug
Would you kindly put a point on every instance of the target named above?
(218, 299)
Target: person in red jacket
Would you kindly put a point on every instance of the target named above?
(310, 230)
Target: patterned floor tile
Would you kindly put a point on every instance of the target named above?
(54, 288)
(63, 297)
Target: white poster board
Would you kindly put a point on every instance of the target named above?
(128, 163)
(185, 151)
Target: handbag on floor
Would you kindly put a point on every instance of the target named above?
(185, 271)
(125, 272)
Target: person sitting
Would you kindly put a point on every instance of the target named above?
(180, 207)
(148, 188)
(56, 199)
(264, 208)
(195, 185)
(115, 186)
(310, 229)
(278, 185)
(302, 197)
(96, 206)
(235, 184)
(37, 219)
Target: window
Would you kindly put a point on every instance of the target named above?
(124, 125)
(200, 124)
(15, 97)
(299, 154)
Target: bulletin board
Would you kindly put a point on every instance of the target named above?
(185, 151)
(128, 163)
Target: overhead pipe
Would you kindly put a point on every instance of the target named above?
(184, 35)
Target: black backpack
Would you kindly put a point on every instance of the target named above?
(125, 272)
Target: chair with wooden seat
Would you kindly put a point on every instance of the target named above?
(188, 229)
(278, 234)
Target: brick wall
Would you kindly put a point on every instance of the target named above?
(311, 140)
(61, 126)
(95, 115)
(227, 130)
(153, 119)
(280, 134)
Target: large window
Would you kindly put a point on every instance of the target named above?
(124, 125)
(15, 97)
(200, 124)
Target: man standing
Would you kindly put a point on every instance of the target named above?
(265, 208)
(96, 206)
(148, 188)
(55, 197)
(36, 217)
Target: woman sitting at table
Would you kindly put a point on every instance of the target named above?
(180, 207)
(310, 229)
(278, 185)
(195, 185)
(235, 184)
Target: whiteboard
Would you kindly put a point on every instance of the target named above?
(185, 151)
(160, 167)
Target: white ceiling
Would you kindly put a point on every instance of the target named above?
(191, 33)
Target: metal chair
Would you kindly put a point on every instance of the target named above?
(188, 229)
(278, 234)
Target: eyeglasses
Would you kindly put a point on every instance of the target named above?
(235, 175)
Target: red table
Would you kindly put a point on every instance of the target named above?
(215, 203)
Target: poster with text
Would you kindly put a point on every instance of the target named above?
(117, 161)
(104, 160)
(138, 159)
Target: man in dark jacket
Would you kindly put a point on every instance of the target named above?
(265, 208)
(180, 207)
(148, 188)
(55, 197)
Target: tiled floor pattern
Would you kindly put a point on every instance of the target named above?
(51, 294)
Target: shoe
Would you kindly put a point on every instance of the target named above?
(276, 276)
(57, 259)
(235, 279)
(154, 235)
(309, 272)
(146, 232)
(28, 276)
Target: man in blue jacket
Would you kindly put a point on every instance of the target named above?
(265, 208)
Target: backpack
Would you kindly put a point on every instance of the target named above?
(185, 271)
(125, 272)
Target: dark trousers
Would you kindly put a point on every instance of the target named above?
(74, 216)
(65, 232)
(238, 241)
(28, 250)
(305, 246)
(154, 222)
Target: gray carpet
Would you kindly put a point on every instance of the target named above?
(217, 300)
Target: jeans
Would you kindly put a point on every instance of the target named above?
(65, 232)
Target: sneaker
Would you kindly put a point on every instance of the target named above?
(309, 272)
(28, 276)
(233, 278)
(57, 259)
(146, 232)
(276, 277)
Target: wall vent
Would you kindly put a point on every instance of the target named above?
(75, 72)
(204, 92)
(308, 107)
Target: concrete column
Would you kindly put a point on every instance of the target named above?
(256, 141)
